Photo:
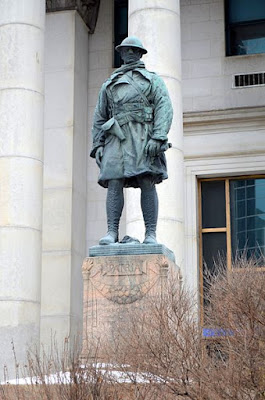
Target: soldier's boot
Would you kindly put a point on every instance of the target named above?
(149, 204)
(114, 207)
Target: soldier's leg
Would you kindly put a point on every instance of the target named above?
(114, 207)
(149, 204)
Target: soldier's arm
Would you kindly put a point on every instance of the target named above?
(163, 111)
(100, 117)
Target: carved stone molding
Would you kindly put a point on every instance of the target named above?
(88, 9)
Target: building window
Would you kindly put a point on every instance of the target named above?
(120, 27)
(232, 222)
(245, 27)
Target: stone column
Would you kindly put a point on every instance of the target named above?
(64, 183)
(21, 171)
(157, 24)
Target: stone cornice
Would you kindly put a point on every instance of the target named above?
(221, 120)
(88, 9)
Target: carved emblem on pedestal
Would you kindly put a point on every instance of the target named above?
(121, 280)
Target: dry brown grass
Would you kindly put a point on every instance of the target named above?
(55, 393)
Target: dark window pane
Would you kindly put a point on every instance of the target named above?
(247, 38)
(250, 223)
(251, 239)
(246, 10)
(249, 182)
(241, 184)
(251, 192)
(241, 240)
(241, 208)
(240, 193)
(251, 207)
(248, 217)
(241, 224)
(245, 27)
(214, 249)
(213, 204)
(120, 27)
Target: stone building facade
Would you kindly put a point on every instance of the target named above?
(51, 207)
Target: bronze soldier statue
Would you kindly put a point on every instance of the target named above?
(131, 122)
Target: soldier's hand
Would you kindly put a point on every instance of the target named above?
(152, 148)
(99, 154)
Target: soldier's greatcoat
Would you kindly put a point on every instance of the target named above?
(133, 106)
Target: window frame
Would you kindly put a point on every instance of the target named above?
(230, 25)
(226, 229)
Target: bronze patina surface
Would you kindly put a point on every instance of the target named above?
(131, 123)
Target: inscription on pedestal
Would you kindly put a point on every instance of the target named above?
(122, 281)
(116, 285)
(123, 269)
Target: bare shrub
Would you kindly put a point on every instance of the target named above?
(236, 315)
(59, 375)
(164, 342)
(162, 351)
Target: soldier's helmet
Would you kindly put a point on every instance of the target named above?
(132, 41)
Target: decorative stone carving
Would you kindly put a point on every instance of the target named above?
(88, 9)
(121, 281)
(114, 285)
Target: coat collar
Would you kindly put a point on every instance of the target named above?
(119, 74)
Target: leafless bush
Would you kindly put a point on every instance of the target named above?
(162, 351)
(59, 375)
(162, 344)
(175, 358)
(236, 315)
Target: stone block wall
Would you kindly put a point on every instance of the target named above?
(207, 73)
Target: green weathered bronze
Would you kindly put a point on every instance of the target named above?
(131, 122)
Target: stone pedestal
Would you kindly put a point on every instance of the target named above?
(116, 284)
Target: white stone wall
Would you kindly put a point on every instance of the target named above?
(64, 211)
(100, 66)
(217, 144)
(223, 127)
(206, 72)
